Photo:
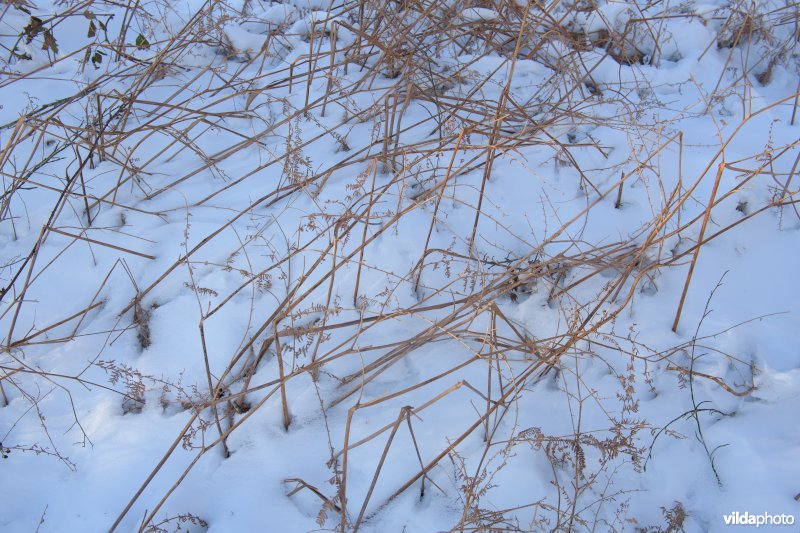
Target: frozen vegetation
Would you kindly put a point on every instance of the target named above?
(399, 265)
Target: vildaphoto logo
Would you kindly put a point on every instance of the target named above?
(764, 519)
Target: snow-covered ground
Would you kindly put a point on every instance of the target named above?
(399, 266)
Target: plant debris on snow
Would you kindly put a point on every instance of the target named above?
(412, 265)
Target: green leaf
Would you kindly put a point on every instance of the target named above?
(142, 43)
(92, 29)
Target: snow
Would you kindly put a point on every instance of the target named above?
(479, 13)
(441, 370)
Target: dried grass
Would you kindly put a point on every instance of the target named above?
(394, 45)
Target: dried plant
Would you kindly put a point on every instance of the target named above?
(214, 140)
